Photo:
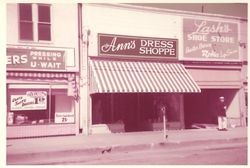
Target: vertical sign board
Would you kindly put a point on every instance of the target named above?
(119, 45)
(210, 40)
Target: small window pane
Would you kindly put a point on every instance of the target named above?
(26, 31)
(44, 13)
(25, 12)
(44, 32)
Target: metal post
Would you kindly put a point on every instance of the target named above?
(164, 124)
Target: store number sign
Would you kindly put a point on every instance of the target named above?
(64, 118)
(32, 100)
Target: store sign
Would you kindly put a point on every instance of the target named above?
(116, 45)
(210, 40)
(64, 118)
(33, 100)
(35, 59)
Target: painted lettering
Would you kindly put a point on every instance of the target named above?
(210, 54)
(113, 46)
(219, 39)
(228, 53)
(16, 99)
(157, 43)
(33, 64)
(45, 53)
(17, 59)
(157, 51)
(197, 37)
(203, 28)
(27, 103)
(52, 65)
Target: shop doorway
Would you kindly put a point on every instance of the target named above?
(202, 108)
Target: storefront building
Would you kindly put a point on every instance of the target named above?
(42, 70)
(114, 65)
(142, 57)
(213, 56)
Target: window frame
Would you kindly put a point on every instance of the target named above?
(25, 21)
(35, 22)
(53, 89)
(43, 22)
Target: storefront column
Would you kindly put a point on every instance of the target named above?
(112, 106)
(138, 110)
(77, 112)
(243, 109)
(182, 122)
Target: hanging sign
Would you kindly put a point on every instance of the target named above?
(210, 40)
(35, 59)
(33, 100)
(117, 45)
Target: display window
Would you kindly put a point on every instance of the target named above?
(137, 111)
(41, 104)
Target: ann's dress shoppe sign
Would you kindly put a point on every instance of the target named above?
(118, 45)
(210, 40)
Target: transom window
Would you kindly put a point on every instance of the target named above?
(34, 22)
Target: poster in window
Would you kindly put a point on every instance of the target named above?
(32, 100)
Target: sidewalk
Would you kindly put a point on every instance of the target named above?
(21, 148)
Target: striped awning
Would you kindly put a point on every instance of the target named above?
(41, 75)
(140, 76)
(51, 77)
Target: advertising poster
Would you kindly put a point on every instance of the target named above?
(32, 100)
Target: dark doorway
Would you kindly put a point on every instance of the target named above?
(202, 108)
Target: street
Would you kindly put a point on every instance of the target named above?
(201, 153)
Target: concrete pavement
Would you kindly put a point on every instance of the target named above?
(19, 149)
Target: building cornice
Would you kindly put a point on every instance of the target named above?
(168, 11)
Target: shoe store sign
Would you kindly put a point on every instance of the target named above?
(118, 45)
(35, 59)
(210, 40)
(32, 100)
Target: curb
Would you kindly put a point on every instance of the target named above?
(21, 157)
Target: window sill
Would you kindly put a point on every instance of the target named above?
(38, 124)
(35, 42)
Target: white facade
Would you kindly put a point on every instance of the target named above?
(115, 20)
(61, 115)
(64, 32)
